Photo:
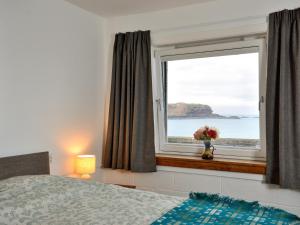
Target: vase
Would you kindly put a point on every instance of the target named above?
(209, 150)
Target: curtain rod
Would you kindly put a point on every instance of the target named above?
(213, 41)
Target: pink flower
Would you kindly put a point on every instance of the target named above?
(206, 133)
(198, 135)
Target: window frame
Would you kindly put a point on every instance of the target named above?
(161, 55)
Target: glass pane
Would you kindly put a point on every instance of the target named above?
(220, 91)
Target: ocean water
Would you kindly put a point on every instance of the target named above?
(247, 128)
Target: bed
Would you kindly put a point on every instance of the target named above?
(29, 195)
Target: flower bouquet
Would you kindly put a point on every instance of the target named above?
(206, 134)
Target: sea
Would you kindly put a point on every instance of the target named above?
(247, 127)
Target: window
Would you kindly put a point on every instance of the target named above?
(221, 85)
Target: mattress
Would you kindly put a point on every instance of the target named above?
(55, 200)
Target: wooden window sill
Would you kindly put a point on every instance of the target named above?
(193, 162)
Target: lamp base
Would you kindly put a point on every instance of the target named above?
(85, 176)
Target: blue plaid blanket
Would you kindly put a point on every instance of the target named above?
(202, 208)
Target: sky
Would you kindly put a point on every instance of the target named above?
(229, 84)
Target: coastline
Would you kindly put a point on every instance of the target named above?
(206, 117)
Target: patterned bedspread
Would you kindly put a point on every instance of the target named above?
(54, 200)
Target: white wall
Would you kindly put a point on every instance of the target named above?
(50, 80)
(214, 19)
(210, 19)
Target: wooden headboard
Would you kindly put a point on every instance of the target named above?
(30, 164)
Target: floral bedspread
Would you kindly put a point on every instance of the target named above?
(54, 200)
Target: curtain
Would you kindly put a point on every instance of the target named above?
(283, 99)
(130, 133)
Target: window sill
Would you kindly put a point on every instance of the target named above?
(230, 165)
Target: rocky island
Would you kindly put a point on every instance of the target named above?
(185, 110)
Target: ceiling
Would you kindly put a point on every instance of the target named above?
(110, 8)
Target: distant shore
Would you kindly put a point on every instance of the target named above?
(242, 142)
(183, 110)
(204, 117)
(209, 117)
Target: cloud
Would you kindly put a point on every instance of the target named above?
(229, 84)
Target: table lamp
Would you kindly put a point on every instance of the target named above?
(85, 165)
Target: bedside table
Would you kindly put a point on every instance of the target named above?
(126, 186)
(75, 176)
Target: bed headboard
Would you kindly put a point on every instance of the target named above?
(30, 164)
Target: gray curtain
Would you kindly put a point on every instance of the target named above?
(130, 134)
(283, 99)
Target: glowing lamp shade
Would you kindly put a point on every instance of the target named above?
(85, 165)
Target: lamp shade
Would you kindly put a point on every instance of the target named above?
(85, 164)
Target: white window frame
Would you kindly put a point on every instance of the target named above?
(161, 55)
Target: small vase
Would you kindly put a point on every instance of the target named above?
(209, 150)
